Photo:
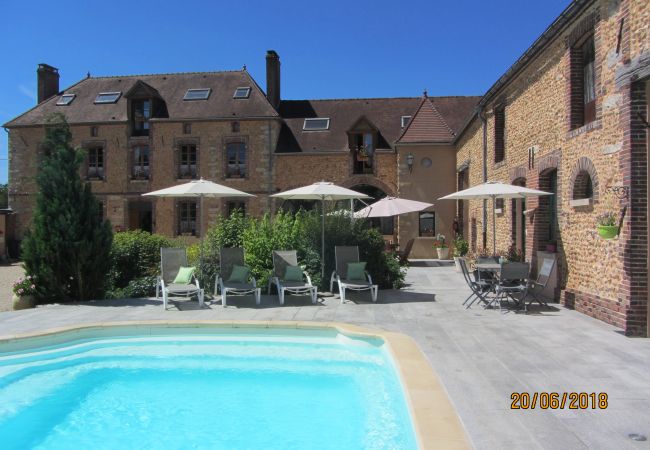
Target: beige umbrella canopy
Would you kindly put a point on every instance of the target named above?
(493, 190)
(322, 191)
(391, 206)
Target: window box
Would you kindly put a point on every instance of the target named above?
(95, 178)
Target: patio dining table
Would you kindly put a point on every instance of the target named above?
(495, 268)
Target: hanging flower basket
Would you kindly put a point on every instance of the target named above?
(607, 232)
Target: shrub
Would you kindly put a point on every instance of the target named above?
(134, 255)
(137, 288)
(461, 246)
(68, 243)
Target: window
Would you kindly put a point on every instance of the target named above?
(141, 167)
(187, 161)
(187, 128)
(236, 160)
(427, 224)
(363, 151)
(499, 204)
(405, 120)
(499, 134)
(108, 97)
(140, 115)
(583, 187)
(316, 124)
(242, 92)
(94, 131)
(589, 80)
(95, 163)
(231, 207)
(187, 218)
(197, 94)
(583, 83)
(65, 99)
(234, 127)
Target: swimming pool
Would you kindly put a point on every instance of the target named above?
(202, 387)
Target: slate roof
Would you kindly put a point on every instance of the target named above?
(171, 87)
(383, 113)
(427, 125)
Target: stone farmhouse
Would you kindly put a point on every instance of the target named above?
(570, 116)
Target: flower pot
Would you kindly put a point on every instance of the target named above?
(443, 252)
(608, 232)
(23, 302)
(457, 263)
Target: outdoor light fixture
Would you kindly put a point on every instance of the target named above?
(409, 161)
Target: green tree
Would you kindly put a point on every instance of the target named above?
(67, 247)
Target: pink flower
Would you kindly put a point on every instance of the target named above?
(20, 291)
(33, 287)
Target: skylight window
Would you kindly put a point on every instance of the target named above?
(65, 99)
(197, 94)
(316, 124)
(108, 97)
(405, 120)
(242, 92)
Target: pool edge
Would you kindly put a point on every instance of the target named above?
(436, 422)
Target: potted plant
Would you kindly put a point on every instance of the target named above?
(607, 226)
(461, 247)
(362, 154)
(24, 291)
(440, 244)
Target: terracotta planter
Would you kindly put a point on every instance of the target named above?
(443, 252)
(23, 302)
(457, 263)
(607, 232)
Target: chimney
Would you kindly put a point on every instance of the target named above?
(48, 82)
(273, 78)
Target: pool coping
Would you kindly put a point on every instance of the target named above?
(435, 420)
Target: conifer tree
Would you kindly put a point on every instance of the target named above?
(68, 244)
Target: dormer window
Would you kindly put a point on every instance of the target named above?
(197, 94)
(321, 124)
(140, 115)
(65, 99)
(405, 121)
(107, 97)
(242, 92)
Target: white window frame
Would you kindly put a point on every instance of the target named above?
(327, 127)
(247, 95)
(117, 96)
(402, 121)
(65, 99)
(208, 91)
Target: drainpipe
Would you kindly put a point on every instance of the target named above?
(481, 114)
(270, 182)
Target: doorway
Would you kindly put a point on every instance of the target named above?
(518, 220)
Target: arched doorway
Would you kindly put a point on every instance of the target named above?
(385, 225)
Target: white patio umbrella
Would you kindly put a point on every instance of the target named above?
(199, 189)
(322, 191)
(391, 206)
(493, 190)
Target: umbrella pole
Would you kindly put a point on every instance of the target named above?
(201, 241)
(322, 241)
(494, 226)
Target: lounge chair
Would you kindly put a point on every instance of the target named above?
(282, 260)
(345, 255)
(228, 258)
(171, 260)
(404, 254)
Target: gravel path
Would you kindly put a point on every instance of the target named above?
(9, 273)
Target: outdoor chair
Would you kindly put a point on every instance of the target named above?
(171, 261)
(479, 288)
(512, 284)
(241, 282)
(404, 254)
(343, 256)
(282, 260)
(536, 287)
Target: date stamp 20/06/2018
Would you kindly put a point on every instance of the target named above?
(558, 400)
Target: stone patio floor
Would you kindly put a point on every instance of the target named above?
(482, 356)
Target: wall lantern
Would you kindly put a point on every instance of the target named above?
(409, 161)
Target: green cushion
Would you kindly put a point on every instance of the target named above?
(239, 274)
(184, 275)
(356, 271)
(293, 273)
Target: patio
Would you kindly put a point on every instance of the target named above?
(481, 356)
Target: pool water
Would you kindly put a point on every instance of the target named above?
(204, 388)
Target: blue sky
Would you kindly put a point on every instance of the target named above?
(331, 49)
